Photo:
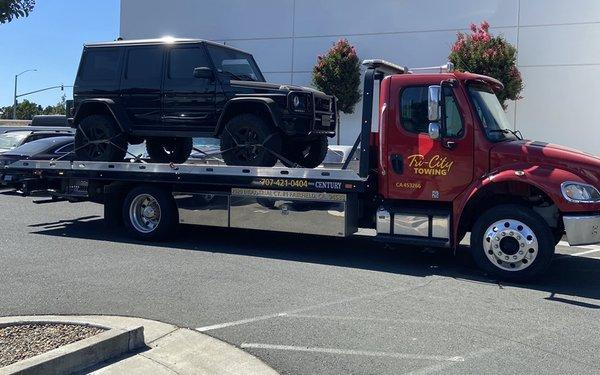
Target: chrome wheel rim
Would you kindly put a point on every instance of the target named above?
(510, 245)
(144, 213)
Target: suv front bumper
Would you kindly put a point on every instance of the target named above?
(582, 229)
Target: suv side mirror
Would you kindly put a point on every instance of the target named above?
(203, 72)
(433, 103)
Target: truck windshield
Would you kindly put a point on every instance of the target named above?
(236, 64)
(490, 113)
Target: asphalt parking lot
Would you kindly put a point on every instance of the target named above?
(306, 304)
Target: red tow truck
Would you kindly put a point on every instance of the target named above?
(442, 161)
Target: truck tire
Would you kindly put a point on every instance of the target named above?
(90, 133)
(310, 154)
(150, 213)
(249, 140)
(512, 242)
(169, 150)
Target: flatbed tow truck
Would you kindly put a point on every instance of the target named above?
(441, 162)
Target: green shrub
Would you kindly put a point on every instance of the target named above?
(338, 73)
(482, 53)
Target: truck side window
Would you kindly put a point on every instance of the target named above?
(183, 61)
(413, 112)
(454, 125)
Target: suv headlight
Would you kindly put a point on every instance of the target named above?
(298, 102)
(578, 192)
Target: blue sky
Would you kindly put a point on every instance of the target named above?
(50, 40)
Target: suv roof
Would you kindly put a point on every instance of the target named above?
(165, 40)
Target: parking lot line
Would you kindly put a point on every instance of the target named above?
(352, 352)
(302, 309)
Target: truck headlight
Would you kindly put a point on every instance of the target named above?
(298, 102)
(579, 193)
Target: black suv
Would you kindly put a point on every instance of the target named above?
(167, 91)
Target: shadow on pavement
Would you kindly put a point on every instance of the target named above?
(567, 276)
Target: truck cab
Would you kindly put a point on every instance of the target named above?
(448, 162)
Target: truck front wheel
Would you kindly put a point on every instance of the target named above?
(150, 213)
(169, 150)
(512, 242)
(249, 140)
(98, 138)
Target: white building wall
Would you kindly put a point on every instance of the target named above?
(559, 55)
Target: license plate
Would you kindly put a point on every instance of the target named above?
(326, 121)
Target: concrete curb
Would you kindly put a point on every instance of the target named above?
(79, 355)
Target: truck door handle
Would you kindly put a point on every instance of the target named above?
(397, 163)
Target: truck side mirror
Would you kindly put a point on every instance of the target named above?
(434, 130)
(433, 103)
(203, 72)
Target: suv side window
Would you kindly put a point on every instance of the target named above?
(100, 64)
(413, 111)
(183, 61)
(144, 64)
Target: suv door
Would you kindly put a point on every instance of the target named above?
(141, 86)
(419, 168)
(188, 102)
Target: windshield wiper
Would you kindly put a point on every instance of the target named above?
(516, 133)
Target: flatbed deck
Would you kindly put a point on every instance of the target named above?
(275, 178)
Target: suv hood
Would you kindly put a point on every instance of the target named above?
(265, 86)
(585, 165)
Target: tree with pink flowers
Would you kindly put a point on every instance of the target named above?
(338, 73)
(480, 52)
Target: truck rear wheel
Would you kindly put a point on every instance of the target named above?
(150, 213)
(250, 141)
(169, 150)
(309, 154)
(512, 242)
(98, 138)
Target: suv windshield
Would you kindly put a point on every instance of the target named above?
(238, 65)
(490, 113)
(11, 140)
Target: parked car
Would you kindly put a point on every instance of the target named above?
(13, 139)
(167, 91)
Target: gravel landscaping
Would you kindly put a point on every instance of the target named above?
(19, 342)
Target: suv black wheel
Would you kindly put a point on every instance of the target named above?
(310, 154)
(150, 213)
(169, 150)
(249, 140)
(512, 242)
(99, 139)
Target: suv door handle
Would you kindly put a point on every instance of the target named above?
(397, 163)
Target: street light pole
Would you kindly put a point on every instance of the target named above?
(15, 97)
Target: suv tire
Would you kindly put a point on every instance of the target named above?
(249, 140)
(512, 242)
(96, 128)
(310, 154)
(169, 150)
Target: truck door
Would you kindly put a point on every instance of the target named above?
(418, 167)
(141, 86)
(189, 102)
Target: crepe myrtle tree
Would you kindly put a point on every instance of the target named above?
(337, 73)
(480, 52)
(11, 9)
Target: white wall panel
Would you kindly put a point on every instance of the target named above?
(222, 19)
(561, 44)
(283, 78)
(552, 12)
(344, 17)
(559, 106)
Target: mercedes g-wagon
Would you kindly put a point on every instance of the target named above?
(167, 91)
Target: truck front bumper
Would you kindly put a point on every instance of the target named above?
(582, 229)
